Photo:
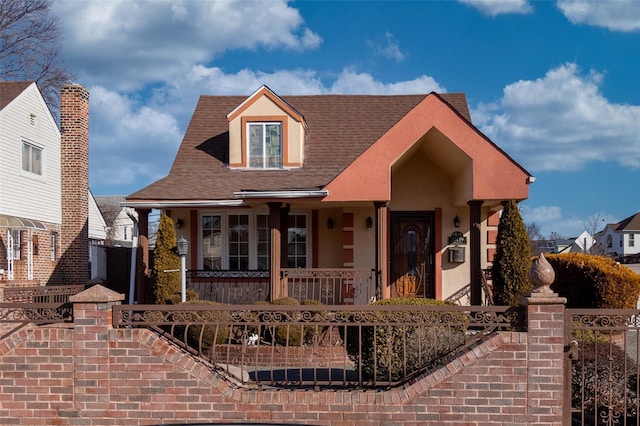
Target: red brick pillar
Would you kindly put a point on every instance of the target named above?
(545, 313)
(74, 162)
(92, 322)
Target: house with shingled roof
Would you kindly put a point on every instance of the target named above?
(47, 215)
(337, 198)
(622, 240)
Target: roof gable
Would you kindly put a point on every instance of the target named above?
(264, 91)
(494, 175)
(10, 90)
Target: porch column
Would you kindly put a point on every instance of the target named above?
(275, 226)
(475, 215)
(284, 235)
(142, 262)
(383, 290)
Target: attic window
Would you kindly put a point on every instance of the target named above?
(264, 145)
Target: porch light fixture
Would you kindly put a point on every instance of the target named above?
(179, 223)
(456, 222)
(183, 246)
(330, 223)
(369, 222)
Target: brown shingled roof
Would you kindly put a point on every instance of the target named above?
(340, 128)
(9, 90)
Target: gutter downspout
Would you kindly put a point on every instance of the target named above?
(134, 256)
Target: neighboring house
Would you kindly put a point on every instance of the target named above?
(402, 186)
(580, 244)
(622, 240)
(44, 193)
(120, 226)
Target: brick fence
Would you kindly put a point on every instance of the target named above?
(93, 374)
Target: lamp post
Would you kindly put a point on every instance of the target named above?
(183, 245)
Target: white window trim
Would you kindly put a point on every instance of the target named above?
(248, 143)
(26, 173)
(253, 235)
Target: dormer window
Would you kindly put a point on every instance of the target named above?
(264, 142)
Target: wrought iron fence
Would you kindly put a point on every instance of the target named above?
(37, 305)
(603, 367)
(319, 346)
(330, 286)
(234, 287)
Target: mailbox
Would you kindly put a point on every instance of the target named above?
(456, 254)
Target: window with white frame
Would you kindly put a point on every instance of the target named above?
(13, 249)
(632, 240)
(264, 145)
(54, 246)
(297, 241)
(31, 158)
(241, 241)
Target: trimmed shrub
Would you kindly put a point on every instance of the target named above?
(287, 334)
(589, 281)
(390, 352)
(512, 261)
(165, 284)
(202, 336)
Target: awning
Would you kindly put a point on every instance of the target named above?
(15, 222)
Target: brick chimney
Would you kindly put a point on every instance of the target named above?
(73, 267)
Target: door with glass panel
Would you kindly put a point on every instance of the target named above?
(412, 254)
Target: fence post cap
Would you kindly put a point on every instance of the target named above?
(97, 294)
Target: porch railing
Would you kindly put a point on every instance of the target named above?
(330, 286)
(319, 346)
(232, 287)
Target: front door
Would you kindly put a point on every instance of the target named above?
(412, 256)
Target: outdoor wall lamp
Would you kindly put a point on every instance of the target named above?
(179, 223)
(330, 223)
(456, 221)
(183, 246)
(369, 222)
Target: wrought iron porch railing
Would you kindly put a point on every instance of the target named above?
(232, 287)
(330, 286)
(319, 346)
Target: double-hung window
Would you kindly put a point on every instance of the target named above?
(31, 158)
(632, 240)
(264, 145)
(241, 241)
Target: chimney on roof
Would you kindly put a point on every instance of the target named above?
(74, 157)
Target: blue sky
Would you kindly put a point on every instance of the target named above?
(556, 84)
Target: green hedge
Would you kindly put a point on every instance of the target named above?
(589, 281)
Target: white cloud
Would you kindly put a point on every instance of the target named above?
(352, 82)
(551, 219)
(127, 44)
(499, 7)
(388, 48)
(562, 122)
(615, 15)
(127, 140)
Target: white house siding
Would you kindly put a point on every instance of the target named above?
(32, 197)
(97, 225)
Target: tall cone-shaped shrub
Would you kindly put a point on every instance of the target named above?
(165, 284)
(512, 261)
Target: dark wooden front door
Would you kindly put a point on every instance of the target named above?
(412, 256)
